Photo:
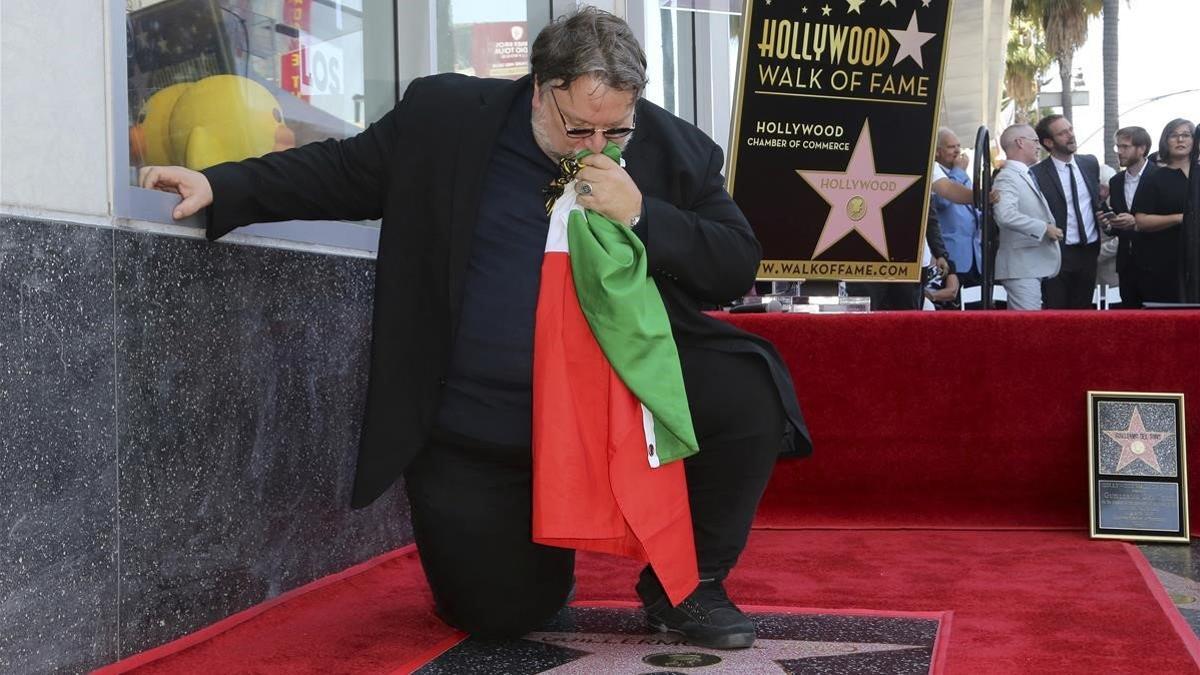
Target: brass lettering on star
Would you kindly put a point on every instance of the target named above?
(825, 43)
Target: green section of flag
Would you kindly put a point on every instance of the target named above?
(628, 319)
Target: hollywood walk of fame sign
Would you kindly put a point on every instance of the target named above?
(1137, 466)
(835, 123)
(584, 639)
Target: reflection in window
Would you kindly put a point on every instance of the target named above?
(487, 38)
(220, 80)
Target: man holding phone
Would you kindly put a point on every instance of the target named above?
(1132, 146)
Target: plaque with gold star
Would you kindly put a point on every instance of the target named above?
(835, 124)
(1137, 466)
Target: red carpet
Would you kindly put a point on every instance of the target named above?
(963, 419)
(1023, 602)
(926, 426)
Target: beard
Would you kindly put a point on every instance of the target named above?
(1064, 148)
(542, 138)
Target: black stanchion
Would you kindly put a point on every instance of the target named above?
(982, 185)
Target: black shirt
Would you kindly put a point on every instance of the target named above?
(488, 394)
(1162, 193)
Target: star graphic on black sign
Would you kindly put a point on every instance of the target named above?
(826, 10)
(855, 6)
(910, 40)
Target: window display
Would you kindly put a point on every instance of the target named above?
(221, 80)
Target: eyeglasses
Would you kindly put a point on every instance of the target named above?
(586, 132)
(1180, 136)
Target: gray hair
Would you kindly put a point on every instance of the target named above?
(1008, 138)
(589, 42)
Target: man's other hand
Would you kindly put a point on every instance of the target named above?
(192, 186)
(1053, 233)
(614, 194)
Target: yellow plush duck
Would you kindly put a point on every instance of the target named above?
(218, 119)
(151, 138)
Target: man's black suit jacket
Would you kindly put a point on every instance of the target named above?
(1047, 179)
(420, 168)
(1126, 239)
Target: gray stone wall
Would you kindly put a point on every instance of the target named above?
(178, 428)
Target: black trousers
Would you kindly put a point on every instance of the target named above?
(1075, 285)
(472, 503)
(1130, 287)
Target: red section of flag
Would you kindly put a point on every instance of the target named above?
(593, 488)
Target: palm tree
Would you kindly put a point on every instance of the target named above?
(1026, 58)
(1065, 24)
(1111, 116)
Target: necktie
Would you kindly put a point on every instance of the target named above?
(1075, 205)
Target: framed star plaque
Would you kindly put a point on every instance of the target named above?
(835, 124)
(1137, 466)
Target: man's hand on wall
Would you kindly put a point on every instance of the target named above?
(192, 186)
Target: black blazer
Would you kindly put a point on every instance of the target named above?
(1126, 239)
(421, 168)
(1047, 180)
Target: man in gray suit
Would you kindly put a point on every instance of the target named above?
(1029, 238)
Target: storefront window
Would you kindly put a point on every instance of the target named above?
(488, 39)
(221, 80)
(209, 81)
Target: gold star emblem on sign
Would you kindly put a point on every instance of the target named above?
(855, 6)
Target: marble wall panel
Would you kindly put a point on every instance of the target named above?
(58, 452)
(241, 379)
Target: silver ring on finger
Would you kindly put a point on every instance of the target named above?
(583, 187)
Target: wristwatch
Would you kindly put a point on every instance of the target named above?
(635, 220)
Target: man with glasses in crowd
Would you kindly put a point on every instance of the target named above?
(457, 170)
(1028, 252)
(1132, 145)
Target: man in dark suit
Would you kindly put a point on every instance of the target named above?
(456, 171)
(1071, 185)
(1132, 144)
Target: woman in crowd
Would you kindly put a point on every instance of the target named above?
(1189, 235)
(1158, 213)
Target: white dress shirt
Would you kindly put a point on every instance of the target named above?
(1085, 203)
(1131, 183)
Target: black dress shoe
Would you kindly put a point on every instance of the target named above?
(707, 617)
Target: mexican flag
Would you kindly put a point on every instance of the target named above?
(610, 414)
